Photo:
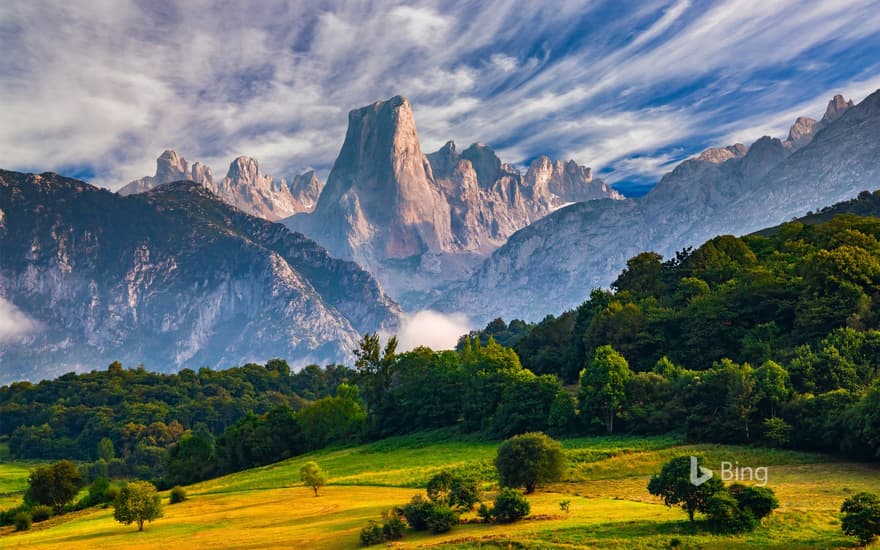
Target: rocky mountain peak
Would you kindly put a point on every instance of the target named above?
(801, 132)
(486, 163)
(717, 155)
(245, 170)
(170, 166)
(836, 107)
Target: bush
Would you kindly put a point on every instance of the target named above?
(111, 493)
(372, 534)
(529, 460)
(725, 515)
(7, 517)
(759, 501)
(510, 505)
(417, 512)
(861, 517)
(23, 521)
(178, 494)
(41, 513)
(96, 495)
(454, 491)
(441, 518)
(393, 527)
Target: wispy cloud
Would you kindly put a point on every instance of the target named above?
(103, 87)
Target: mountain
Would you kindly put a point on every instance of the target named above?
(245, 186)
(553, 264)
(416, 220)
(171, 278)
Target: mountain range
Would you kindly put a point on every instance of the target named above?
(180, 270)
(554, 263)
(170, 278)
(244, 187)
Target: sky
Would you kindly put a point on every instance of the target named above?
(98, 89)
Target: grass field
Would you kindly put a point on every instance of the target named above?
(610, 507)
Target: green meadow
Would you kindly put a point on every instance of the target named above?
(606, 483)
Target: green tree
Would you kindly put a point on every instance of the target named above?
(529, 460)
(771, 387)
(137, 502)
(54, 485)
(312, 476)
(673, 485)
(602, 387)
(106, 450)
(453, 490)
(861, 517)
(375, 368)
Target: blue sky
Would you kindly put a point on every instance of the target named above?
(99, 89)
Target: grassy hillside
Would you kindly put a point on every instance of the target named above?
(610, 507)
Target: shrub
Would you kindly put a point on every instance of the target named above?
(510, 505)
(529, 460)
(96, 493)
(565, 505)
(111, 493)
(23, 521)
(861, 517)
(454, 491)
(441, 518)
(372, 534)
(759, 501)
(178, 494)
(393, 527)
(417, 512)
(725, 515)
(41, 513)
(7, 517)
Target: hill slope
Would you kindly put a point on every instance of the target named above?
(610, 507)
(170, 278)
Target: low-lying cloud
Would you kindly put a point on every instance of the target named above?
(433, 329)
(14, 324)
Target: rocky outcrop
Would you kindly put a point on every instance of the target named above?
(554, 263)
(804, 128)
(417, 220)
(170, 278)
(245, 186)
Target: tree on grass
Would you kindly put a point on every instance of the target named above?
(529, 460)
(54, 485)
(313, 476)
(137, 502)
(861, 517)
(673, 485)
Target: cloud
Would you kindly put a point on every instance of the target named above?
(433, 329)
(14, 324)
(104, 87)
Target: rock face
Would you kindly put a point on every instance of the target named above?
(245, 186)
(192, 282)
(554, 263)
(417, 220)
